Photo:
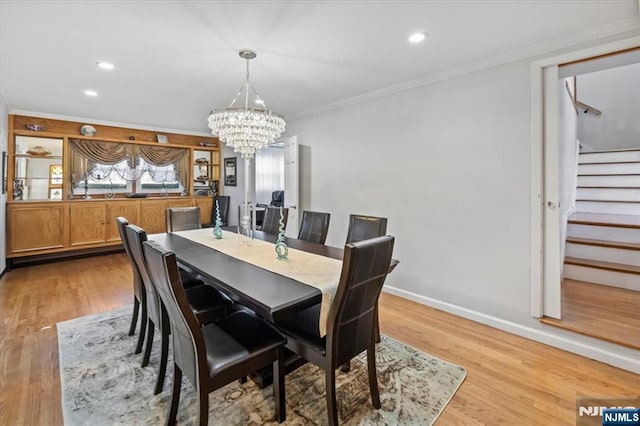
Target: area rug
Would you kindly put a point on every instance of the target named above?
(104, 384)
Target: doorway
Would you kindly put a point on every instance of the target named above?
(546, 257)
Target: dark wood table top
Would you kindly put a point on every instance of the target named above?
(270, 295)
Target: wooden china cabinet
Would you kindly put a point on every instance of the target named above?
(53, 213)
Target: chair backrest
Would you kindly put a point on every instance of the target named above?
(189, 351)
(364, 227)
(183, 218)
(271, 221)
(277, 199)
(136, 236)
(314, 227)
(138, 287)
(350, 327)
(223, 204)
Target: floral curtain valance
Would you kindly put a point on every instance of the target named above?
(85, 154)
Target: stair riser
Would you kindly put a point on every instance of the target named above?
(601, 276)
(609, 169)
(606, 233)
(607, 207)
(608, 194)
(604, 157)
(606, 254)
(616, 181)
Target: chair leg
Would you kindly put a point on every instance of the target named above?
(147, 349)
(376, 324)
(203, 413)
(164, 354)
(330, 383)
(373, 377)
(243, 380)
(143, 327)
(278, 387)
(134, 318)
(175, 395)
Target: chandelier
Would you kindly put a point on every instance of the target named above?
(249, 128)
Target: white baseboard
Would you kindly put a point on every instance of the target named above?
(629, 363)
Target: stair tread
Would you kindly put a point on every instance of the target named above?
(603, 243)
(610, 150)
(612, 162)
(599, 264)
(608, 174)
(609, 187)
(607, 201)
(601, 219)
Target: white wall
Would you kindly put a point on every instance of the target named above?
(4, 132)
(615, 92)
(449, 164)
(568, 158)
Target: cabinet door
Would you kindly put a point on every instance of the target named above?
(87, 224)
(127, 209)
(205, 204)
(152, 216)
(39, 227)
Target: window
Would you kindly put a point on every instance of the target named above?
(120, 178)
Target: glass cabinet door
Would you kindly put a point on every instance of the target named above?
(38, 173)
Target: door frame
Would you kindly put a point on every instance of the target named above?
(546, 294)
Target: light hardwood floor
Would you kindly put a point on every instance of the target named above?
(510, 380)
(600, 311)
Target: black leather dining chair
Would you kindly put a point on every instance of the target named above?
(183, 218)
(223, 204)
(271, 223)
(351, 320)
(206, 303)
(314, 227)
(363, 227)
(139, 295)
(217, 353)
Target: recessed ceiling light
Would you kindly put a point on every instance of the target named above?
(91, 93)
(106, 65)
(417, 37)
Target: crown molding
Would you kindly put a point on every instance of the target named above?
(609, 30)
(105, 122)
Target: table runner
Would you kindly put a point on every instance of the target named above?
(317, 271)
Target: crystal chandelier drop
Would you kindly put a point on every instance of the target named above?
(249, 128)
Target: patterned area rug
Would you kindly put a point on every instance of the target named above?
(103, 384)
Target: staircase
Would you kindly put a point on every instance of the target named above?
(603, 236)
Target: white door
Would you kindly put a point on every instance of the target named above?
(552, 263)
(291, 186)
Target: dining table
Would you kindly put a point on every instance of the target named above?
(270, 295)
(264, 285)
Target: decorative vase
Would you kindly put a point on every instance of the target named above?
(281, 246)
(217, 231)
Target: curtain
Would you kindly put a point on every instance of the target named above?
(269, 173)
(163, 156)
(85, 154)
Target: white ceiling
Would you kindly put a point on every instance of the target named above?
(176, 60)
